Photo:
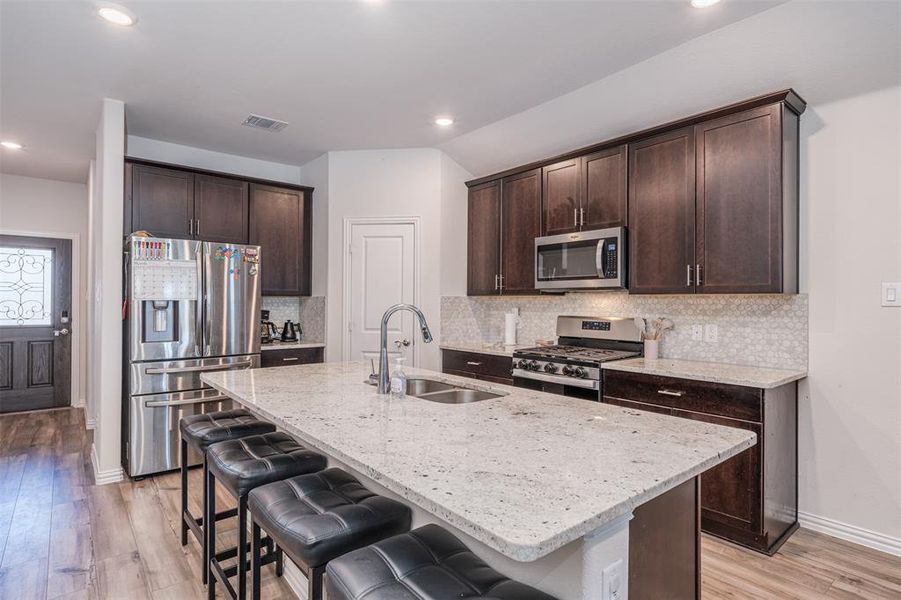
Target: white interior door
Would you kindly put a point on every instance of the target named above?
(382, 272)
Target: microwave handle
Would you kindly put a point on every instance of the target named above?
(600, 258)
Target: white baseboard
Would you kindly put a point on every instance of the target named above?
(851, 533)
(108, 476)
(296, 580)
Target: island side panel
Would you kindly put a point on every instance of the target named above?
(665, 546)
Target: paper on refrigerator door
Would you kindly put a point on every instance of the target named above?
(165, 280)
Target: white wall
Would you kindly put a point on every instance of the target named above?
(105, 339)
(47, 208)
(850, 410)
(178, 154)
(397, 183)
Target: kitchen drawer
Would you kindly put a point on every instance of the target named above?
(481, 366)
(290, 357)
(663, 410)
(732, 401)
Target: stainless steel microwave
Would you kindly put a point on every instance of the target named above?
(583, 260)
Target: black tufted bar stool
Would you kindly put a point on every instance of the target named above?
(199, 432)
(316, 518)
(427, 563)
(240, 466)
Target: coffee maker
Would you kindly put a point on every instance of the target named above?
(268, 330)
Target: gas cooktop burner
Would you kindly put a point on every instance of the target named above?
(577, 353)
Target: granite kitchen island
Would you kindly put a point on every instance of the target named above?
(541, 486)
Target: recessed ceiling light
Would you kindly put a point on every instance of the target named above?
(11, 145)
(704, 3)
(444, 121)
(116, 14)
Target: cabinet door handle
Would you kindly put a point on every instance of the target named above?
(575, 217)
(698, 275)
(688, 275)
(290, 359)
(582, 217)
(497, 281)
(502, 282)
(670, 393)
(473, 363)
(197, 228)
(190, 226)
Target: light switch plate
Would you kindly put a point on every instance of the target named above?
(612, 578)
(891, 293)
(697, 333)
(711, 333)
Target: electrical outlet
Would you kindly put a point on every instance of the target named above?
(612, 577)
(711, 333)
(697, 333)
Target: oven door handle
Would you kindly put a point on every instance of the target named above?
(590, 384)
(202, 368)
(201, 400)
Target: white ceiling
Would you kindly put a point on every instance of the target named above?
(345, 75)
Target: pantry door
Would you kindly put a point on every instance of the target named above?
(381, 269)
(35, 323)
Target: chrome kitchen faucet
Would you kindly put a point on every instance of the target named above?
(383, 340)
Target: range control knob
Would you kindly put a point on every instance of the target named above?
(533, 365)
(523, 364)
(550, 368)
(579, 372)
(567, 370)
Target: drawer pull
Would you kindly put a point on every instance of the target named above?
(473, 363)
(290, 359)
(670, 392)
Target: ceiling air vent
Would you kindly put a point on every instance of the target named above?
(264, 123)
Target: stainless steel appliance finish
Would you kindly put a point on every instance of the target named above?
(585, 260)
(153, 442)
(573, 366)
(192, 307)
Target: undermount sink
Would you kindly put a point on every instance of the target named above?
(417, 387)
(446, 393)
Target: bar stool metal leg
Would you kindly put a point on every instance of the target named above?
(255, 551)
(184, 492)
(242, 548)
(206, 501)
(209, 484)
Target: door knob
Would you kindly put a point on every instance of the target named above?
(401, 343)
(59, 332)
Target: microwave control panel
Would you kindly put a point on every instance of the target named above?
(610, 258)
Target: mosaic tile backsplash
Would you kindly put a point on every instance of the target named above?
(761, 330)
(309, 312)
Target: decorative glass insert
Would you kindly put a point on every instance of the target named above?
(26, 286)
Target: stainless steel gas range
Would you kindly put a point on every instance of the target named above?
(572, 367)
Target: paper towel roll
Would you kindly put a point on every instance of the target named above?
(510, 321)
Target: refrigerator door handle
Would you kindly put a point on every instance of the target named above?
(224, 367)
(165, 403)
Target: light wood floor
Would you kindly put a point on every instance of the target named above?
(62, 537)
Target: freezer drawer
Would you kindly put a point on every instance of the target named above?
(182, 375)
(153, 443)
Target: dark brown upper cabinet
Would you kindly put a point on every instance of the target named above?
(220, 209)
(562, 202)
(588, 192)
(662, 213)
(746, 229)
(504, 220)
(483, 246)
(161, 201)
(604, 176)
(520, 225)
(280, 223)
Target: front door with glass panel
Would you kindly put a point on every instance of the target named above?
(35, 322)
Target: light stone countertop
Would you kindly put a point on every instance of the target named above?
(497, 349)
(525, 474)
(756, 377)
(290, 345)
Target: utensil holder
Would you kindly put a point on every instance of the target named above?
(651, 349)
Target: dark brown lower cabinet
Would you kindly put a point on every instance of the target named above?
(752, 498)
(290, 357)
(487, 367)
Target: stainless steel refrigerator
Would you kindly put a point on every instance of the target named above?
(191, 307)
